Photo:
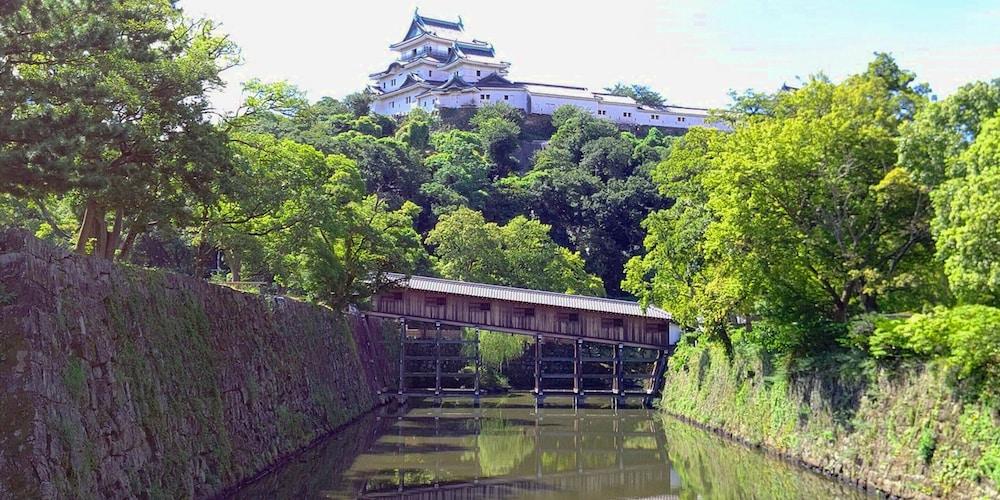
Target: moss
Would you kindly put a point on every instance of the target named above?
(75, 379)
(909, 420)
(927, 445)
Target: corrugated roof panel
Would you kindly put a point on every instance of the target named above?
(526, 296)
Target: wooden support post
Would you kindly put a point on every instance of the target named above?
(437, 359)
(402, 356)
(479, 364)
(619, 372)
(577, 368)
(538, 368)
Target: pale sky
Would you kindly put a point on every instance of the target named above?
(693, 52)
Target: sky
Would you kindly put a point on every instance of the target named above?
(693, 52)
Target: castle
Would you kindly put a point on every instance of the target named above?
(440, 66)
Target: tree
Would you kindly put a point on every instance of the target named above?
(415, 130)
(607, 157)
(677, 271)
(812, 208)
(967, 209)
(797, 215)
(640, 93)
(931, 144)
(499, 127)
(108, 100)
(350, 255)
(359, 102)
(460, 172)
(388, 166)
(520, 253)
(277, 191)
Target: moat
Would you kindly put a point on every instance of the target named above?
(507, 448)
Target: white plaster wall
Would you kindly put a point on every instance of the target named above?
(458, 100)
(546, 105)
(515, 98)
(616, 112)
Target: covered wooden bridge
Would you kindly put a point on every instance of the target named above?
(579, 341)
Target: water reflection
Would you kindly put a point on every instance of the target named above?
(508, 449)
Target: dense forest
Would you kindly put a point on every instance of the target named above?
(854, 216)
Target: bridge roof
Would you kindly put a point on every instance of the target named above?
(527, 296)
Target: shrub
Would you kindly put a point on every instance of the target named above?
(965, 337)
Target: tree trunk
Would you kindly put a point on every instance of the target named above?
(114, 237)
(721, 332)
(126, 249)
(235, 264)
(87, 227)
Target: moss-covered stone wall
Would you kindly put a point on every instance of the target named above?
(124, 382)
(909, 431)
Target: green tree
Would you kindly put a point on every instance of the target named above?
(351, 253)
(388, 166)
(967, 211)
(848, 234)
(520, 253)
(797, 215)
(677, 271)
(107, 100)
(460, 172)
(415, 130)
(640, 93)
(930, 145)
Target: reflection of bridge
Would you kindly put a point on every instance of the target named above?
(569, 451)
(614, 341)
(610, 480)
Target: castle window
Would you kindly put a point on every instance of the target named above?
(680, 118)
(478, 73)
(482, 97)
(414, 51)
(429, 72)
(506, 97)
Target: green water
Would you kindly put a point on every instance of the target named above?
(508, 449)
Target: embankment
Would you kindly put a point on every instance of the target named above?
(907, 431)
(123, 382)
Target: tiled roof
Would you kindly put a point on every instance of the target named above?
(526, 296)
(494, 80)
(616, 99)
(454, 81)
(558, 90)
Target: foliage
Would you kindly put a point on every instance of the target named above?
(460, 172)
(520, 253)
(965, 337)
(800, 215)
(640, 93)
(350, 251)
(107, 100)
(967, 209)
(930, 145)
(839, 409)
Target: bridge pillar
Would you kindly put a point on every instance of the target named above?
(618, 382)
(657, 384)
(479, 364)
(437, 361)
(539, 395)
(402, 358)
(577, 373)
